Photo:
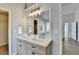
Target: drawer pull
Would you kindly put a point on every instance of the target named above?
(19, 45)
(33, 47)
(19, 41)
(33, 53)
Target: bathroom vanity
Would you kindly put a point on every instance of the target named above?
(28, 46)
(38, 40)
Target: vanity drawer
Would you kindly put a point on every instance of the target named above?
(19, 40)
(33, 52)
(35, 47)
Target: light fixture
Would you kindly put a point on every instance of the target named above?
(39, 12)
(35, 12)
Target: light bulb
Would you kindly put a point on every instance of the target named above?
(30, 14)
(39, 12)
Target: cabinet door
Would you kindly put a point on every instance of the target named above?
(19, 49)
(25, 50)
(22, 49)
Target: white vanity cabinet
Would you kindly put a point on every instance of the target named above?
(21, 48)
(28, 48)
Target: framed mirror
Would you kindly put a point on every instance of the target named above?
(40, 24)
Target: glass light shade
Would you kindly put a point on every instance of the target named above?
(30, 14)
(34, 13)
(38, 12)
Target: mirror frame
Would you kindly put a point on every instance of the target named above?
(50, 20)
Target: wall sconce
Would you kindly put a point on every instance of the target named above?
(35, 12)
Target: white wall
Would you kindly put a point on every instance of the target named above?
(17, 17)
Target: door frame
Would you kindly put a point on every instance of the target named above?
(9, 28)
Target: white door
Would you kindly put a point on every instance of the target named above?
(73, 30)
(66, 30)
(78, 32)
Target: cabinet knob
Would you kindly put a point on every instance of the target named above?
(33, 47)
(33, 53)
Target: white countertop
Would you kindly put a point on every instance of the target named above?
(41, 42)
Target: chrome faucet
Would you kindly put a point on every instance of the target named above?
(42, 36)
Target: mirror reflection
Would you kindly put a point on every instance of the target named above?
(43, 23)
